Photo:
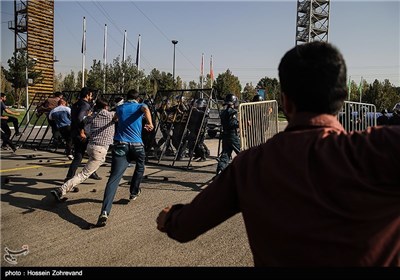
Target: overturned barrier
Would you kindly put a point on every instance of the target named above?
(36, 131)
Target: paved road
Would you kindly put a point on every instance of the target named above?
(56, 233)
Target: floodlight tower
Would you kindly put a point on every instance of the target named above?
(312, 22)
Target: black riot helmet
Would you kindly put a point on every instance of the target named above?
(257, 98)
(200, 103)
(230, 99)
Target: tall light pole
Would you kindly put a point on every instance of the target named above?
(27, 88)
(173, 67)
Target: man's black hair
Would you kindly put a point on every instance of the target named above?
(100, 104)
(3, 94)
(58, 94)
(85, 91)
(132, 94)
(313, 76)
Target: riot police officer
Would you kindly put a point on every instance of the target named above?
(230, 136)
(196, 127)
(166, 116)
(257, 98)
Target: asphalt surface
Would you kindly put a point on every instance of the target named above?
(57, 234)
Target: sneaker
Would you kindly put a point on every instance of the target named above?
(71, 157)
(94, 176)
(75, 189)
(16, 148)
(5, 148)
(102, 221)
(18, 134)
(134, 196)
(57, 194)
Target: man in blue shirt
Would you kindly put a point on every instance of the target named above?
(128, 147)
(61, 115)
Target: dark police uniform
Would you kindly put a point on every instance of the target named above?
(230, 137)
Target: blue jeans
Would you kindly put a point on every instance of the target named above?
(122, 155)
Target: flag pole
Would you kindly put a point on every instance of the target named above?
(211, 71)
(83, 51)
(349, 88)
(105, 58)
(202, 71)
(202, 74)
(123, 60)
(138, 53)
(138, 60)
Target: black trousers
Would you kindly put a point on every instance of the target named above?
(12, 120)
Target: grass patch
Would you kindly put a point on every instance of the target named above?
(33, 118)
(281, 116)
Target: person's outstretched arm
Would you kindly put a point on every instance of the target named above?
(212, 206)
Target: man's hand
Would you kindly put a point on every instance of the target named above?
(162, 218)
(4, 117)
(148, 127)
(82, 135)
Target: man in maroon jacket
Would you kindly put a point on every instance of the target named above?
(312, 195)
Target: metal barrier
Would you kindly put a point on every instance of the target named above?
(356, 116)
(180, 127)
(171, 125)
(258, 121)
(35, 133)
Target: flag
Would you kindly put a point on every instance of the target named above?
(211, 70)
(138, 53)
(202, 65)
(83, 49)
(124, 48)
(202, 70)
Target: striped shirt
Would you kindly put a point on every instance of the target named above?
(101, 128)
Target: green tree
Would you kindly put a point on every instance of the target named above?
(193, 85)
(6, 86)
(354, 93)
(69, 82)
(386, 95)
(58, 82)
(161, 80)
(94, 78)
(18, 65)
(248, 92)
(227, 83)
(179, 83)
(123, 76)
(271, 87)
(78, 84)
(208, 81)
